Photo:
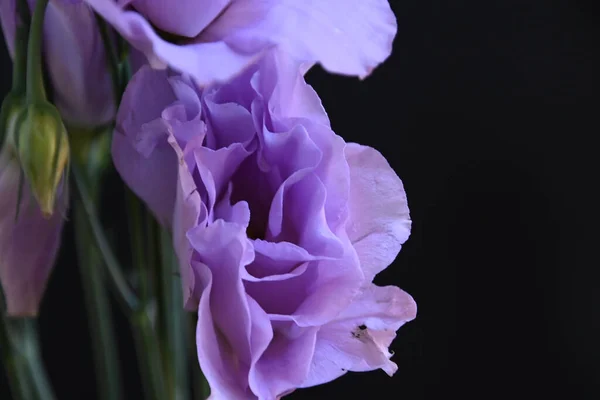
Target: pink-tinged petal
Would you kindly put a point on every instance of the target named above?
(380, 221)
(285, 363)
(28, 245)
(186, 18)
(359, 338)
(349, 37)
(206, 62)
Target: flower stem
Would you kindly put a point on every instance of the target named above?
(15, 368)
(137, 234)
(37, 372)
(144, 250)
(147, 343)
(125, 296)
(21, 353)
(35, 80)
(148, 353)
(172, 320)
(99, 313)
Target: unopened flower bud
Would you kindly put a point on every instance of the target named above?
(42, 147)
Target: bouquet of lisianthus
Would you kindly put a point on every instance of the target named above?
(243, 207)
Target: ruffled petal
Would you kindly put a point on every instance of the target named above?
(206, 62)
(225, 250)
(189, 212)
(285, 363)
(380, 221)
(359, 338)
(154, 106)
(312, 294)
(349, 37)
(346, 37)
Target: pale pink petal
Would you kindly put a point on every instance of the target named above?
(359, 338)
(379, 217)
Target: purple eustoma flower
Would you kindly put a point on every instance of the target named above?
(29, 243)
(212, 40)
(279, 226)
(74, 58)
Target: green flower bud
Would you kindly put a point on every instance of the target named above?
(42, 146)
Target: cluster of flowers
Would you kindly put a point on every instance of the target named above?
(279, 225)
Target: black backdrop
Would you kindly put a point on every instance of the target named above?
(488, 110)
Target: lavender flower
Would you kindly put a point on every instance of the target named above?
(74, 58)
(28, 244)
(279, 225)
(215, 39)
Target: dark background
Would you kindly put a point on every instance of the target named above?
(488, 111)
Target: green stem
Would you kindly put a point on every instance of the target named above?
(172, 320)
(16, 370)
(148, 353)
(21, 352)
(125, 296)
(35, 80)
(146, 341)
(36, 368)
(99, 314)
(137, 235)
(144, 246)
(17, 377)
